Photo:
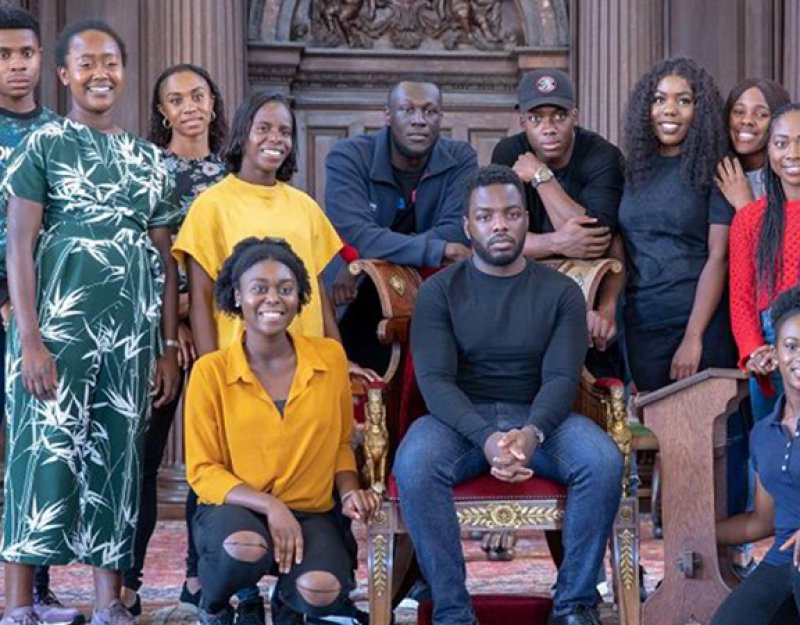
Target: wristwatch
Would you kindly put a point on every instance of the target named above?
(542, 175)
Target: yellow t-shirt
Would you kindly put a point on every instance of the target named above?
(235, 434)
(233, 210)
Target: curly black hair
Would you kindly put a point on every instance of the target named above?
(489, 175)
(769, 252)
(249, 252)
(81, 26)
(785, 306)
(217, 129)
(14, 18)
(706, 141)
(240, 131)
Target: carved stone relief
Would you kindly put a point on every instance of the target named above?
(408, 24)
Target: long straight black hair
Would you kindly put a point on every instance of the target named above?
(769, 253)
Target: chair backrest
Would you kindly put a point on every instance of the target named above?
(397, 289)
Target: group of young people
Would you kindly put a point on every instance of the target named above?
(130, 262)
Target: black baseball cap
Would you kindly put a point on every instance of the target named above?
(543, 87)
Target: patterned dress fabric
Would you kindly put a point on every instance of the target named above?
(73, 465)
(190, 177)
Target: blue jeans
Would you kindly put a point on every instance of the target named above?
(763, 405)
(433, 458)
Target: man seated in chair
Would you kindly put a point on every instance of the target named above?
(498, 344)
(573, 186)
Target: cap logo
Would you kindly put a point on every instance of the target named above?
(546, 84)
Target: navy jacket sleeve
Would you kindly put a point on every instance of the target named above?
(449, 224)
(347, 204)
(435, 352)
(562, 362)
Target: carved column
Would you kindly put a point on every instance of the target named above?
(614, 42)
(209, 33)
(791, 48)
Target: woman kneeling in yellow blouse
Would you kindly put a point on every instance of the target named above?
(268, 427)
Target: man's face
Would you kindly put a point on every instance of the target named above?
(20, 63)
(413, 116)
(496, 224)
(550, 131)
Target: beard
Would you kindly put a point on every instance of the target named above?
(497, 259)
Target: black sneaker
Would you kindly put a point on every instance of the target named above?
(251, 613)
(190, 598)
(223, 617)
(282, 614)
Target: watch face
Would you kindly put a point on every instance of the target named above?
(542, 175)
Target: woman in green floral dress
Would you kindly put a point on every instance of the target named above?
(89, 271)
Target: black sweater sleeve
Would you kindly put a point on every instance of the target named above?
(435, 353)
(562, 363)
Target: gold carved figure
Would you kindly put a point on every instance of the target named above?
(376, 441)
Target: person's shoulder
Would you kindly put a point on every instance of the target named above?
(553, 280)
(594, 147)
(327, 350)
(455, 147)
(298, 196)
(358, 145)
(515, 144)
(212, 365)
(751, 213)
(219, 191)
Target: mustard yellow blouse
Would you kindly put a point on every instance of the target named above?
(235, 434)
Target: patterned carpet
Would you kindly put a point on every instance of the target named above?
(531, 572)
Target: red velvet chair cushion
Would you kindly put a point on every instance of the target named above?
(487, 487)
(500, 610)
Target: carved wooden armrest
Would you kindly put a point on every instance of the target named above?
(617, 425)
(397, 287)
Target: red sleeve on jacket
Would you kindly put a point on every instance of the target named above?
(745, 320)
(348, 253)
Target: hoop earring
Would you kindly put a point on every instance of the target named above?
(213, 115)
(166, 123)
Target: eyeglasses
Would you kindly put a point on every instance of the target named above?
(557, 118)
(429, 113)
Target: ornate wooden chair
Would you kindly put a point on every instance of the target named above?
(483, 503)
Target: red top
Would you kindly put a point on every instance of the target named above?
(746, 301)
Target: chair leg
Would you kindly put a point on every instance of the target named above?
(380, 564)
(625, 561)
(555, 546)
(655, 499)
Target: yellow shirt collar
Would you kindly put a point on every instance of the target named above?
(308, 361)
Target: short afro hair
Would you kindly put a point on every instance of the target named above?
(416, 78)
(14, 18)
(489, 175)
(785, 306)
(81, 26)
(249, 252)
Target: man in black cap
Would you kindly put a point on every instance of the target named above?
(573, 185)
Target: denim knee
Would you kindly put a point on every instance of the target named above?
(414, 465)
(605, 465)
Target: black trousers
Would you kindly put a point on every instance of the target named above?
(155, 441)
(221, 575)
(770, 595)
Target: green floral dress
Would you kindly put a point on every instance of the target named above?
(73, 464)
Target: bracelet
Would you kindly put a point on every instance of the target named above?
(347, 495)
(172, 343)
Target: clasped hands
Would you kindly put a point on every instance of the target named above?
(509, 454)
